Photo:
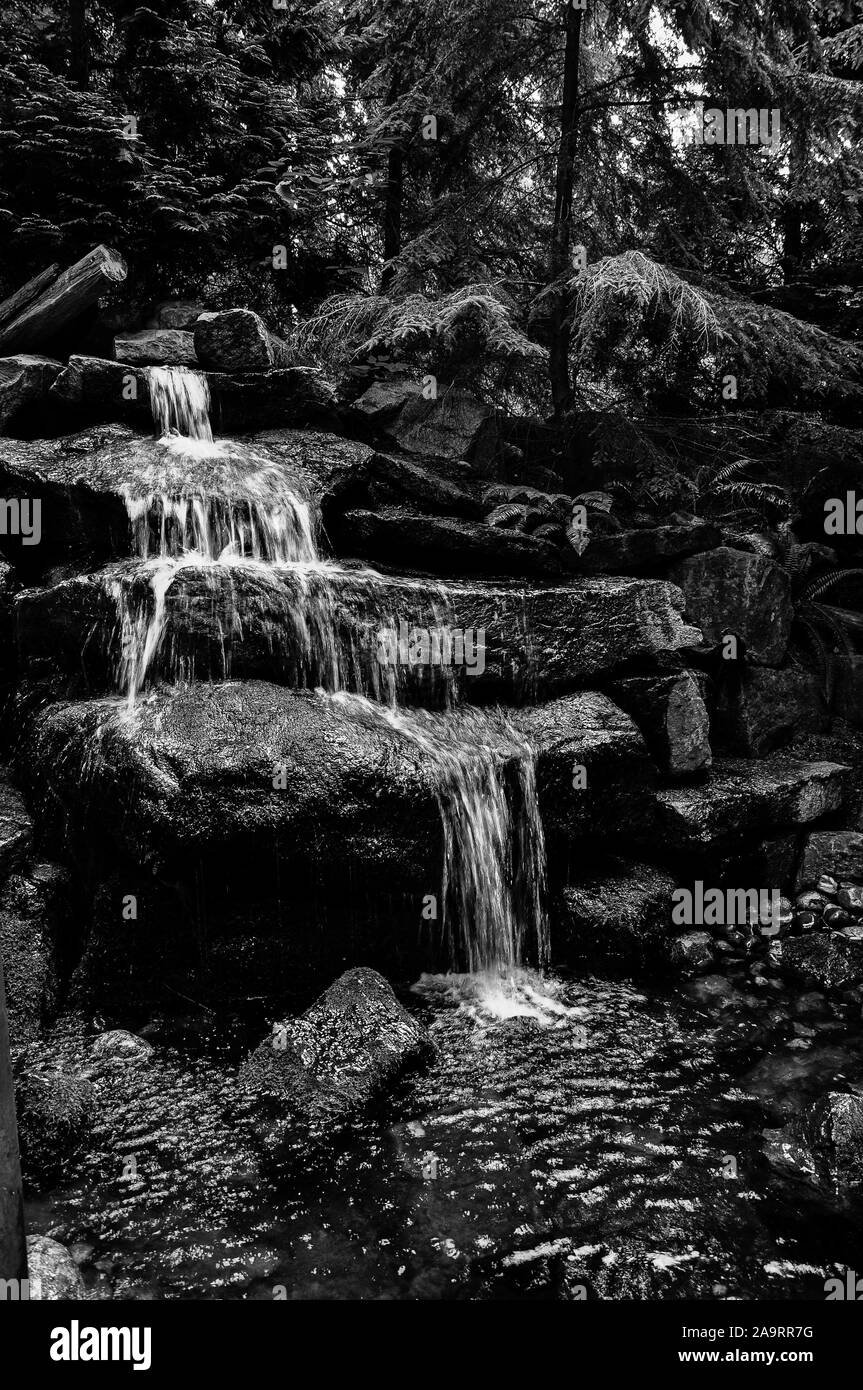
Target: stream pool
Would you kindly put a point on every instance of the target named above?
(580, 1138)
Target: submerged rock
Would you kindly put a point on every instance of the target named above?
(834, 1128)
(346, 1051)
(122, 1046)
(823, 960)
(693, 952)
(734, 591)
(52, 1272)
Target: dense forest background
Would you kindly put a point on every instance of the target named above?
(406, 182)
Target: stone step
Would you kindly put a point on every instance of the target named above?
(82, 482)
(740, 798)
(278, 623)
(226, 778)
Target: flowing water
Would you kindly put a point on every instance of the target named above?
(576, 1145)
(248, 514)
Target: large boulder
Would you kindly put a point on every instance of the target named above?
(420, 483)
(16, 826)
(768, 708)
(833, 1126)
(34, 912)
(24, 381)
(346, 1051)
(324, 627)
(838, 853)
(455, 425)
(740, 797)
(669, 710)
(169, 347)
(344, 792)
(649, 549)
(96, 389)
(619, 917)
(733, 591)
(237, 340)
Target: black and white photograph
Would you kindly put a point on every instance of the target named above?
(431, 666)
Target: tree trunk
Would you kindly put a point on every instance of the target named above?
(13, 1243)
(792, 215)
(72, 292)
(79, 44)
(393, 212)
(560, 262)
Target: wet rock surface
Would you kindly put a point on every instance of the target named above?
(308, 629)
(157, 347)
(24, 383)
(34, 918)
(670, 711)
(620, 918)
(52, 1272)
(16, 826)
(739, 797)
(732, 591)
(767, 709)
(345, 1051)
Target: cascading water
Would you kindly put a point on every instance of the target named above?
(243, 517)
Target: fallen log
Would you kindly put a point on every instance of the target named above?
(63, 300)
(13, 1241)
(17, 302)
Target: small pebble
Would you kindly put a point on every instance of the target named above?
(810, 902)
(828, 885)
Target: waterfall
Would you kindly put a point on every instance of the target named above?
(230, 513)
(180, 402)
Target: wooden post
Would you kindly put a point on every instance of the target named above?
(72, 292)
(13, 1242)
